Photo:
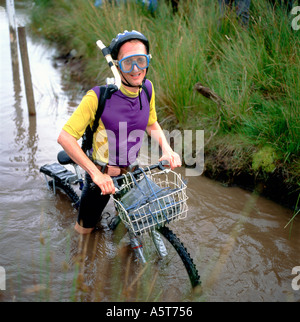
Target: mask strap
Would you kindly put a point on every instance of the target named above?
(139, 86)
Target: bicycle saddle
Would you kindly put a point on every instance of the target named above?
(63, 158)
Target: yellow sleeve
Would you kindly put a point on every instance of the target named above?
(83, 115)
(152, 113)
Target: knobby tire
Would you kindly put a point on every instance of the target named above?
(183, 253)
(70, 192)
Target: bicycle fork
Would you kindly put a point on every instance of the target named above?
(137, 246)
(158, 242)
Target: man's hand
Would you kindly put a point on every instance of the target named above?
(173, 158)
(104, 182)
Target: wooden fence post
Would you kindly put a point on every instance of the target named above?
(26, 70)
(10, 9)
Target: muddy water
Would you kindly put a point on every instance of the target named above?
(237, 239)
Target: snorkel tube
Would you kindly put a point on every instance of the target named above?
(107, 55)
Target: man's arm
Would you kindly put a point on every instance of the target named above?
(72, 148)
(168, 154)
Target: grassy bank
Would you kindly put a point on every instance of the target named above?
(252, 138)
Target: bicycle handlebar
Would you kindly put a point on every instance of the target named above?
(160, 165)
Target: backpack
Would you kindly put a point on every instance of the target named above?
(103, 93)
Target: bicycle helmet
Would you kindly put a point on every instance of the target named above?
(121, 38)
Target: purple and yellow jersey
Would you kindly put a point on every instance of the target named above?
(120, 133)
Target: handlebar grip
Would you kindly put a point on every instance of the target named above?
(163, 163)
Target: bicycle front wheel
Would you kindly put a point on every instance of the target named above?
(174, 273)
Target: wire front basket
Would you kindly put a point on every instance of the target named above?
(153, 199)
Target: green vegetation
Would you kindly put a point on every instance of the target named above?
(255, 133)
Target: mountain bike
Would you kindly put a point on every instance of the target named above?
(146, 201)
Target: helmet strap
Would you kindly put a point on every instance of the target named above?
(139, 86)
(127, 83)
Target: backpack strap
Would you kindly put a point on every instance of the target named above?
(103, 92)
(101, 104)
(147, 87)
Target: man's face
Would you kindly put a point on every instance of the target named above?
(136, 76)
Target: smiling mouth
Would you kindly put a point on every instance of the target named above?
(133, 79)
(135, 75)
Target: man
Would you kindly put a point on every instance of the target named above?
(126, 111)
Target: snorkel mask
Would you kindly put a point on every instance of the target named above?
(127, 64)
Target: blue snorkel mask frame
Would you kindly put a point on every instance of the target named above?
(133, 62)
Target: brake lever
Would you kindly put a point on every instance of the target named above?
(162, 164)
